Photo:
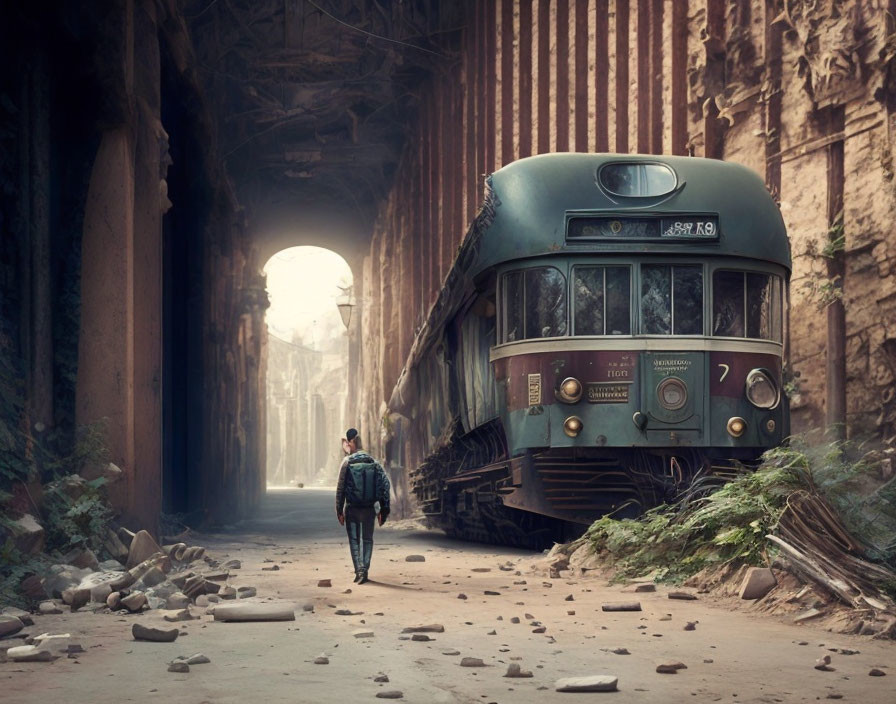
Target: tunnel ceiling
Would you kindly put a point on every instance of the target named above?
(313, 99)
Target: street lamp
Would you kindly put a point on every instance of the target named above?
(345, 305)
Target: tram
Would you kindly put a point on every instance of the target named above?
(612, 330)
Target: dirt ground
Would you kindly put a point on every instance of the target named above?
(731, 655)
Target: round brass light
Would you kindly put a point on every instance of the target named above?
(672, 393)
(570, 390)
(770, 425)
(572, 426)
(736, 427)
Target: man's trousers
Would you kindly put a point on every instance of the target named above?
(359, 523)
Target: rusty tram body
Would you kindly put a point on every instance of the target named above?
(612, 331)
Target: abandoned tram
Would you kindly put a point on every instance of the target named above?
(611, 331)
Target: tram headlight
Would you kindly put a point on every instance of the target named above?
(761, 391)
(572, 426)
(736, 427)
(672, 393)
(570, 390)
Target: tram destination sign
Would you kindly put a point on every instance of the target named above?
(673, 227)
(603, 392)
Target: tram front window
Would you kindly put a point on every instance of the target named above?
(747, 304)
(671, 299)
(534, 303)
(602, 300)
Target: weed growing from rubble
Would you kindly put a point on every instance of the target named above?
(674, 542)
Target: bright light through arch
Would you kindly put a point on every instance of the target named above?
(304, 284)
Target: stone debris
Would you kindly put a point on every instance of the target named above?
(233, 564)
(514, 670)
(10, 625)
(390, 694)
(569, 598)
(253, 611)
(156, 635)
(617, 651)
(489, 592)
(539, 629)
(515, 619)
(134, 601)
(182, 615)
(666, 617)
(461, 596)
(325, 583)
(471, 662)
(178, 666)
(363, 633)
(194, 659)
(492, 633)
(179, 600)
(30, 653)
(590, 683)
(875, 672)
(481, 569)
(381, 678)
(806, 615)
(142, 547)
(757, 582)
(824, 664)
(321, 660)
(227, 592)
(690, 626)
(20, 614)
(427, 628)
(415, 558)
(308, 607)
(684, 596)
(347, 612)
(645, 588)
(245, 592)
(450, 652)
(113, 601)
(27, 535)
(670, 668)
(421, 637)
(272, 568)
(621, 606)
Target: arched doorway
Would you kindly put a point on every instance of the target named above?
(307, 365)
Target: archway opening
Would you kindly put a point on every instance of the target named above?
(307, 365)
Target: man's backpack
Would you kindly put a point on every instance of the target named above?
(362, 481)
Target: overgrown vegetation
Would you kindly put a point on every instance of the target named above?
(674, 542)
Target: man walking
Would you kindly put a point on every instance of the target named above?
(362, 495)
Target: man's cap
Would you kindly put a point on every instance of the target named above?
(351, 434)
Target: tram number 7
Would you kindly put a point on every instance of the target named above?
(725, 369)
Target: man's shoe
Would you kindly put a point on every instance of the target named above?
(362, 576)
(357, 578)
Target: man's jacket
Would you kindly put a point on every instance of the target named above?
(383, 486)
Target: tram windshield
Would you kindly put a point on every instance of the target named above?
(671, 299)
(602, 297)
(747, 304)
(534, 304)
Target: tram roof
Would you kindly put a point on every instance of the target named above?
(532, 197)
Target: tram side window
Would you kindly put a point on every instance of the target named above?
(747, 304)
(671, 299)
(602, 300)
(534, 304)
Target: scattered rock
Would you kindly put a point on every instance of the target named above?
(539, 629)
(10, 625)
(492, 633)
(142, 548)
(421, 637)
(134, 601)
(249, 611)
(757, 582)
(428, 628)
(569, 598)
(645, 588)
(684, 596)
(321, 660)
(806, 615)
(515, 619)
(875, 672)
(30, 653)
(20, 614)
(178, 666)
(570, 613)
(152, 577)
(390, 694)
(83, 558)
(670, 668)
(415, 558)
(666, 617)
(690, 626)
(27, 535)
(488, 592)
(157, 635)
(461, 596)
(195, 659)
(824, 664)
(245, 592)
(591, 683)
(308, 607)
(381, 678)
(363, 633)
(276, 568)
(617, 651)
(113, 601)
(227, 592)
(471, 662)
(182, 615)
(514, 670)
(179, 600)
(621, 606)
(233, 564)
(325, 583)
(481, 569)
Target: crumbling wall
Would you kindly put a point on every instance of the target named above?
(786, 87)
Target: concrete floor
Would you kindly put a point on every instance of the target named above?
(732, 656)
